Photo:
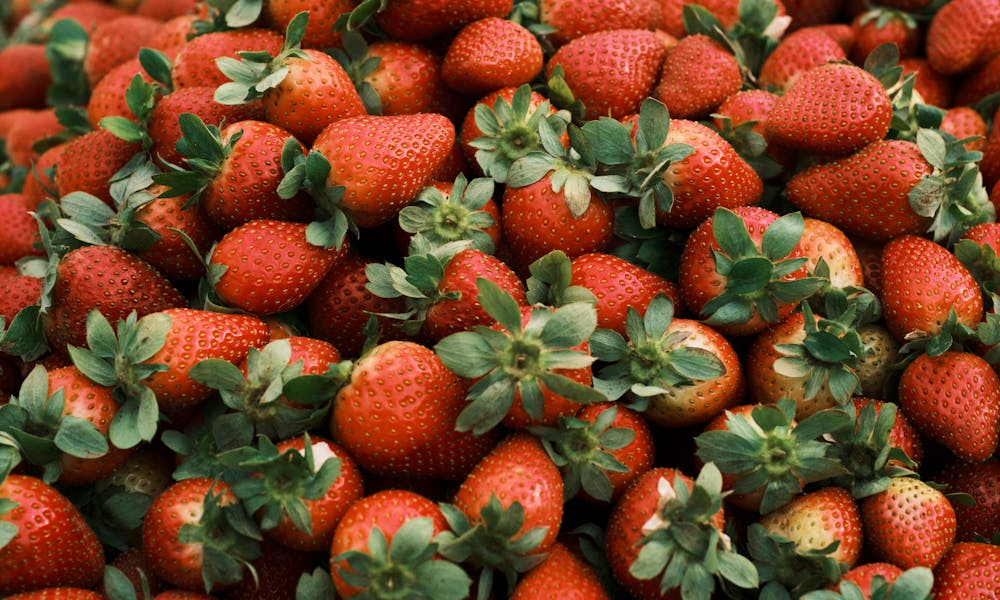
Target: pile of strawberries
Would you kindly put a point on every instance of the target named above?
(314, 299)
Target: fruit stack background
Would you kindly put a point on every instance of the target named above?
(310, 299)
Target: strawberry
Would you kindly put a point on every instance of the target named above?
(805, 13)
(990, 164)
(698, 74)
(319, 31)
(416, 20)
(831, 109)
(511, 503)
(278, 571)
(817, 519)
(981, 481)
(38, 183)
(715, 285)
(954, 399)
(88, 163)
(197, 535)
(677, 372)
(640, 530)
(978, 85)
(922, 283)
(823, 241)
(864, 576)
(967, 570)
(115, 41)
(165, 10)
(174, 31)
(344, 292)
(572, 19)
(58, 593)
(360, 557)
(797, 53)
(170, 253)
(611, 72)
(618, 285)
(562, 573)
(405, 384)
(490, 54)
(452, 211)
(107, 98)
(24, 76)
(935, 88)
(29, 128)
(47, 541)
(20, 231)
(17, 292)
(963, 122)
(963, 36)
(195, 64)
(885, 26)
(303, 91)
(910, 524)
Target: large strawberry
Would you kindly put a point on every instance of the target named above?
(562, 573)
(698, 74)
(195, 64)
(910, 524)
(797, 53)
(47, 542)
(967, 568)
(490, 54)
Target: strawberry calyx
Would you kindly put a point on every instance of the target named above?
(257, 72)
(653, 360)
(141, 97)
(256, 398)
(512, 130)
(786, 571)
(203, 150)
(117, 358)
(34, 421)
(223, 15)
(416, 281)
(8, 530)
(550, 282)
(771, 454)
(489, 545)
(755, 278)
(309, 173)
(66, 50)
(354, 57)
(915, 583)
(519, 358)
(409, 566)
(749, 144)
(682, 543)
(633, 165)
(656, 249)
(229, 537)
(580, 449)
(25, 335)
(864, 449)
(277, 482)
(360, 16)
(458, 215)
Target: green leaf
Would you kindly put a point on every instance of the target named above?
(569, 325)
(782, 236)
(499, 304)
(243, 13)
(932, 147)
(467, 354)
(730, 232)
(79, 437)
(749, 275)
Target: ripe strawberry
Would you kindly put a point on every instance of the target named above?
(712, 176)
(806, 13)
(170, 253)
(20, 231)
(58, 593)
(108, 279)
(88, 163)
(935, 88)
(611, 72)
(864, 576)
(407, 385)
(107, 98)
(562, 573)
(38, 183)
(823, 241)
(910, 524)
(17, 292)
(963, 122)
(832, 109)
(872, 188)
(417, 20)
(51, 545)
(981, 481)
(196, 335)
(174, 31)
(195, 63)
(88, 13)
(979, 84)
(407, 80)
(954, 399)
(922, 283)
(490, 54)
(197, 535)
(902, 435)
(382, 517)
(990, 164)
(270, 267)
(24, 76)
(344, 292)
(618, 285)
(319, 32)
(572, 19)
(797, 53)
(963, 36)
(885, 26)
(165, 10)
(278, 571)
(967, 570)
(817, 519)
(116, 41)
(698, 74)
(29, 128)
(383, 161)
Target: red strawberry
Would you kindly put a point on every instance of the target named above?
(910, 524)
(165, 10)
(88, 13)
(38, 184)
(822, 240)
(864, 575)
(981, 481)
(58, 593)
(116, 41)
(935, 88)
(418, 20)
(817, 519)
(884, 26)
(922, 283)
(490, 54)
(17, 291)
(24, 76)
(963, 122)
(88, 162)
(107, 98)
(954, 399)
(611, 72)
(29, 128)
(562, 573)
(52, 545)
(404, 392)
(170, 254)
(805, 13)
(831, 109)
(20, 230)
(963, 35)
(320, 32)
(270, 267)
(797, 53)
(195, 64)
(967, 571)
(979, 84)
(408, 80)
(572, 19)
(698, 74)
(174, 32)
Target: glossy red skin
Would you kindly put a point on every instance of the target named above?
(58, 593)
(979, 84)
(29, 128)
(823, 240)
(408, 81)
(982, 482)
(195, 64)
(797, 53)
(490, 54)
(816, 519)
(910, 524)
(864, 575)
(574, 18)
(397, 415)
(967, 571)
(115, 41)
(327, 511)
(963, 36)
(388, 510)
(868, 36)
(322, 15)
(24, 76)
(173, 561)
(563, 575)
(170, 254)
(17, 292)
(39, 185)
(418, 20)
(107, 98)
(698, 74)
(935, 88)
(517, 470)
(54, 545)
(88, 163)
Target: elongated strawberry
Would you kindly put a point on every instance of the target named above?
(490, 54)
(47, 542)
(832, 109)
(910, 524)
(698, 74)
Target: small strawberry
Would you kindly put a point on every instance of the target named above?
(491, 54)
(698, 74)
(910, 524)
(116, 41)
(24, 76)
(885, 26)
(797, 53)
(88, 163)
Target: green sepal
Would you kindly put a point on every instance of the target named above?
(66, 51)
(788, 572)
(443, 218)
(550, 282)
